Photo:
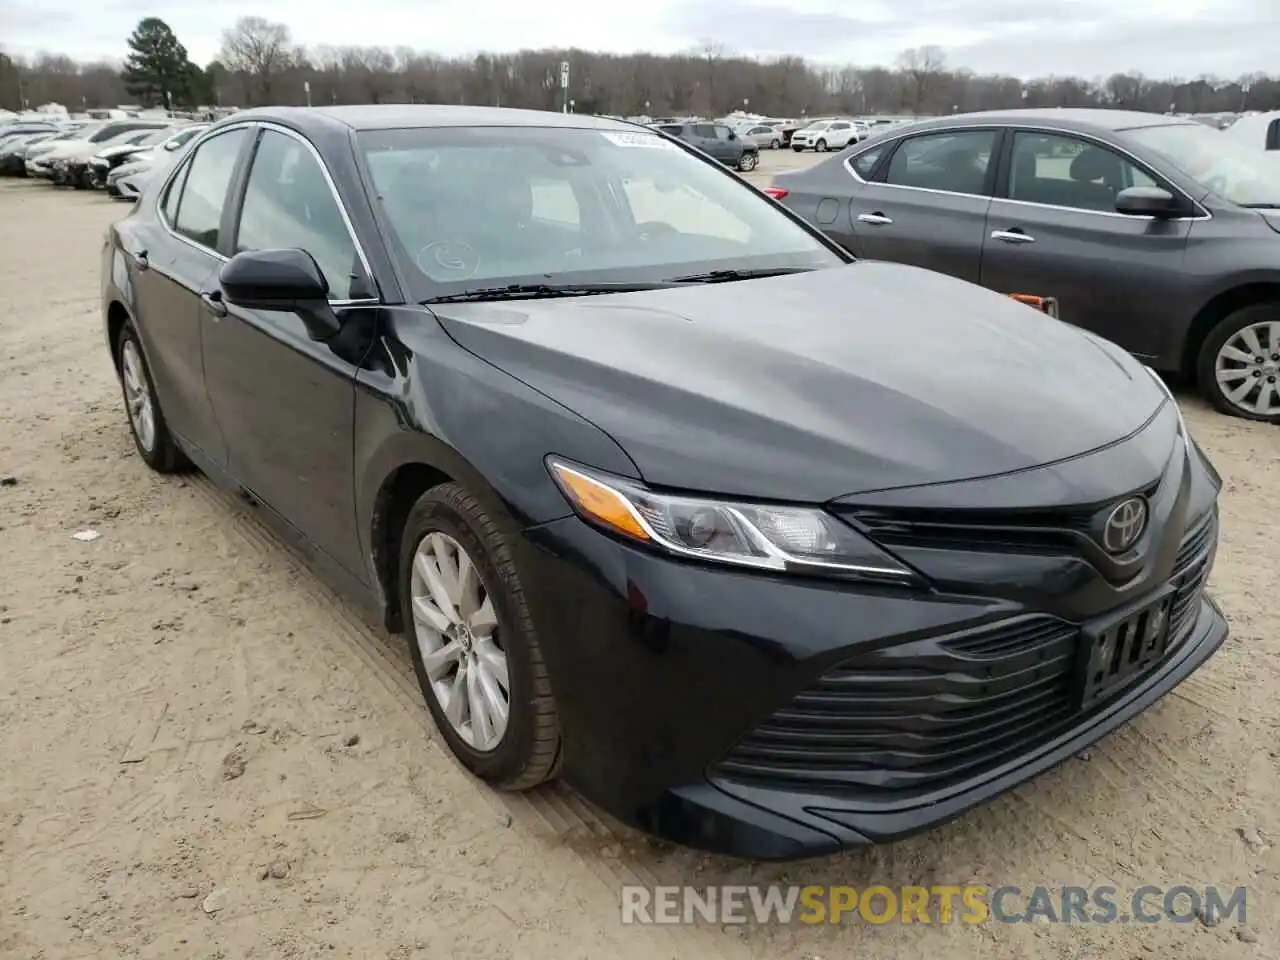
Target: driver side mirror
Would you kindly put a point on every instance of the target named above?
(732, 135)
(286, 280)
(1147, 201)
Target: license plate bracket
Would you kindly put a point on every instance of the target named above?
(1116, 650)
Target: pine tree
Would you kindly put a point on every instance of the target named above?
(157, 70)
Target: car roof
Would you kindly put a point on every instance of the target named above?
(393, 116)
(1070, 118)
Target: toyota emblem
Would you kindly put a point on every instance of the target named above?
(1124, 525)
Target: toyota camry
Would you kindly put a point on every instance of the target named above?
(764, 550)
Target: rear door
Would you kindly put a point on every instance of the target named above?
(1053, 231)
(703, 136)
(839, 134)
(170, 269)
(927, 206)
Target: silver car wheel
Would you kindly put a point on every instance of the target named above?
(1247, 369)
(137, 396)
(456, 629)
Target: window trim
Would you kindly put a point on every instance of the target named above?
(1008, 128)
(236, 194)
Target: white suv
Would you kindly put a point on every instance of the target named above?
(826, 135)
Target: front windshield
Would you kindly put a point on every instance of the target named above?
(480, 207)
(1224, 165)
(815, 125)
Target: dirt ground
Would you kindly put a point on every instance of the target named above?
(204, 754)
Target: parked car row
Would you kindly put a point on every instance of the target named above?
(116, 155)
(1160, 233)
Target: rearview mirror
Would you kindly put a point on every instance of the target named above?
(285, 280)
(1146, 201)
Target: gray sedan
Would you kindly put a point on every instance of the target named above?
(1158, 233)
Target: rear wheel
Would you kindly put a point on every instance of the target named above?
(1238, 368)
(151, 434)
(775, 143)
(473, 642)
(747, 162)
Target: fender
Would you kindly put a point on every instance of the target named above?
(427, 410)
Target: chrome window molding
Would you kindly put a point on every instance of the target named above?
(1204, 214)
(201, 139)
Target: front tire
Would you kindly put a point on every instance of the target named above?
(474, 646)
(820, 146)
(150, 432)
(1238, 367)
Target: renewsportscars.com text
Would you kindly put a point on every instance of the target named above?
(939, 904)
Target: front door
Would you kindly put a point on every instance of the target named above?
(928, 206)
(285, 401)
(1057, 234)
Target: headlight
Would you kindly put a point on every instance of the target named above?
(790, 539)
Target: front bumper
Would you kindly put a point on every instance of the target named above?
(663, 670)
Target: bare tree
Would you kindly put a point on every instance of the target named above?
(259, 48)
(923, 67)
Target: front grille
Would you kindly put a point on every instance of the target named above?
(1000, 530)
(934, 712)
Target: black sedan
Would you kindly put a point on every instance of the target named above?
(1156, 232)
(639, 463)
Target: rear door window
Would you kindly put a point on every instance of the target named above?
(953, 162)
(204, 191)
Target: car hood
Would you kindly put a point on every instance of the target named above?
(119, 150)
(812, 386)
(66, 151)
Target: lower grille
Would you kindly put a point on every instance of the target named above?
(1191, 573)
(923, 715)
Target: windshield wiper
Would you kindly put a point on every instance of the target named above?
(534, 291)
(723, 276)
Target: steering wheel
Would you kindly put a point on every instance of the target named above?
(456, 258)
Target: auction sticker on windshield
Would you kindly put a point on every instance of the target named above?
(652, 141)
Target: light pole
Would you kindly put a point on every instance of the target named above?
(564, 85)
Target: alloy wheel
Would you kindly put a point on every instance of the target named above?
(137, 394)
(1247, 369)
(456, 629)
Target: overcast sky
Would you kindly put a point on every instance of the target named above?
(1022, 37)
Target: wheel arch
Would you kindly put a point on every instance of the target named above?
(409, 466)
(1220, 306)
(117, 316)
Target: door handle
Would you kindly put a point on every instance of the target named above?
(140, 259)
(876, 219)
(1012, 236)
(213, 302)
